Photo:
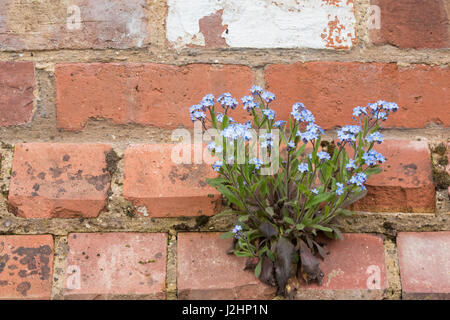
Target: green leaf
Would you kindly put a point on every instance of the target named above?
(322, 228)
(225, 122)
(344, 212)
(243, 218)
(372, 171)
(227, 235)
(242, 254)
(258, 268)
(321, 197)
(299, 226)
(270, 211)
(231, 197)
(289, 220)
(227, 212)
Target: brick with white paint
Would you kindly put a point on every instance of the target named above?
(75, 24)
(318, 24)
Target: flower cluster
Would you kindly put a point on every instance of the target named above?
(372, 157)
(237, 231)
(348, 133)
(285, 207)
(379, 110)
(359, 179)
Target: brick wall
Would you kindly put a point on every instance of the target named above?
(91, 90)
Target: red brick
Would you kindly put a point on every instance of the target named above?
(143, 93)
(26, 267)
(424, 259)
(16, 92)
(59, 180)
(413, 24)
(167, 189)
(354, 269)
(116, 265)
(332, 89)
(406, 182)
(44, 25)
(205, 271)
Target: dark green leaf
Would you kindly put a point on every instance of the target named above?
(284, 264)
(267, 230)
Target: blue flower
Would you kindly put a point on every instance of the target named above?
(256, 162)
(375, 137)
(303, 115)
(279, 123)
(217, 165)
(267, 140)
(256, 90)
(198, 115)
(348, 133)
(269, 113)
(296, 107)
(308, 135)
(359, 179)
(207, 101)
(236, 130)
(315, 191)
(223, 96)
(268, 96)
(220, 116)
(249, 103)
(314, 128)
(372, 157)
(351, 164)
(303, 167)
(213, 147)
(267, 144)
(380, 109)
(322, 155)
(359, 110)
(339, 188)
(227, 101)
(390, 106)
(291, 145)
(196, 107)
(237, 230)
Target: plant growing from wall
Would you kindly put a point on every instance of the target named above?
(281, 211)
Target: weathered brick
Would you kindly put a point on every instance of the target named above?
(147, 94)
(26, 266)
(59, 180)
(287, 24)
(47, 24)
(332, 89)
(160, 187)
(355, 268)
(424, 259)
(205, 271)
(412, 23)
(16, 92)
(406, 182)
(116, 265)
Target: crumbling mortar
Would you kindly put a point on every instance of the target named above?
(59, 267)
(171, 266)
(394, 290)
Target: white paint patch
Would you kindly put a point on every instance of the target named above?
(142, 210)
(315, 24)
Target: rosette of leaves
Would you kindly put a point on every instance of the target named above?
(280, 216)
